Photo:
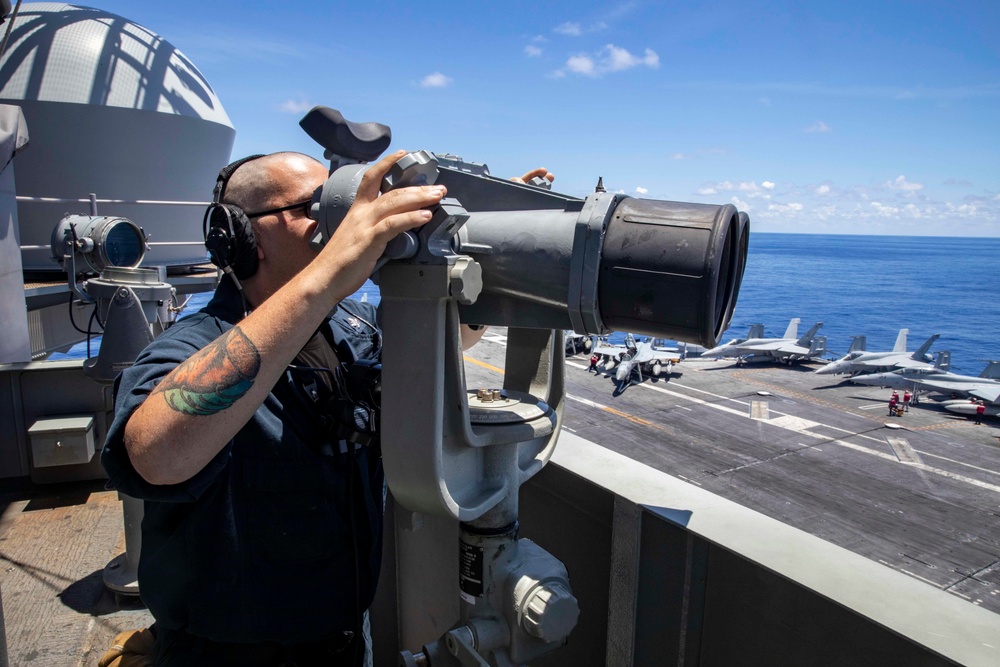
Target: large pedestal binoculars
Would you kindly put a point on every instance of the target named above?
(497, 252)
(608, 262)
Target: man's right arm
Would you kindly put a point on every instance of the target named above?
(200, 406)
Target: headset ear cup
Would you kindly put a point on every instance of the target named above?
(218, 240)
(245, 252)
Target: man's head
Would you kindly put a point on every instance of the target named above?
(268, 190)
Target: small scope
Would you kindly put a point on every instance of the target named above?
(101, 242)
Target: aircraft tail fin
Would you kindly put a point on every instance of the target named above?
(900, 345)
(992, 371)
(793, 328)
(817, 347)
(921, 353)
(858, 344)
(943, 361)
(807, 338)
(756, 331)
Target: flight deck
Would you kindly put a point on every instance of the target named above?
(919, 493)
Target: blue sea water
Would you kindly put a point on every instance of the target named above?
(858, 285)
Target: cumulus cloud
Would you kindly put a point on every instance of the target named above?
(750, 188)
(582, 65)
(569, 28)
(641, 190)
(818, 126)
(435, 80)
(679, 156)
(532, 51)
(900, 183)
(958, 182)
(300, 105)
(610, 58)
(896, 206)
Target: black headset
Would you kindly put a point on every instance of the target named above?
(229, 238)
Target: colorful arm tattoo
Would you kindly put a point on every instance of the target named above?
(214, 378)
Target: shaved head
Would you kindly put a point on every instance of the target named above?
(264, 183)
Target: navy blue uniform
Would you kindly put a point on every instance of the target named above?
(278, 538)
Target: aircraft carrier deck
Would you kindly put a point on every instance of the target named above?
(812, 451)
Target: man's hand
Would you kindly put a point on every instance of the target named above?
(540, 172)
(375, 219)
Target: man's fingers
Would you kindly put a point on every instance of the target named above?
(371, 182)
(405, 200)
(534, 173)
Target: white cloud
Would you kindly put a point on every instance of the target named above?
(435, 80)
(532, 51)
(823, 190)
(581, 65)
(749, 187)
(569, 28)
(818, 126)
(611, 58)
(679, 156)
(902, 184)
(791, 207)
(641, 190)
(884, 210)
(741, 205)
(300, 105)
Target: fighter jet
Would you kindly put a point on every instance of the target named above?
(787, 349)
(650, 357)
(858, 360)
(577, 343)
(608, 354)
(985, 386)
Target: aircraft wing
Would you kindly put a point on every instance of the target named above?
(906, 362)
(764, 346)
(988, 391)
(602, 347)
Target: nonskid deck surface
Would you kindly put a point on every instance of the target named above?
(812, 451)
(53, 549)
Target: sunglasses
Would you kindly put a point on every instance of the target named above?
(304, 205)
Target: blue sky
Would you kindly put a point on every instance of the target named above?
(849, 117)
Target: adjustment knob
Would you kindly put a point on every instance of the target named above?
(550, 612)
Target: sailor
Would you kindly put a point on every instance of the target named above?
(906, 400)
(255, 452)
(893, 400)
(593, 363)
(980, 411)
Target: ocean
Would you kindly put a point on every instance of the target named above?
(856, 285)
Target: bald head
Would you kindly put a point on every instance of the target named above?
(267, 182)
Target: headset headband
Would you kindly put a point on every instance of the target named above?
(226, 173)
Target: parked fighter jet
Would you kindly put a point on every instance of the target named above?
(650, 358)
(787, 349)
(577, 343)
(985, 386)
(608, 354)
(858, 360)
